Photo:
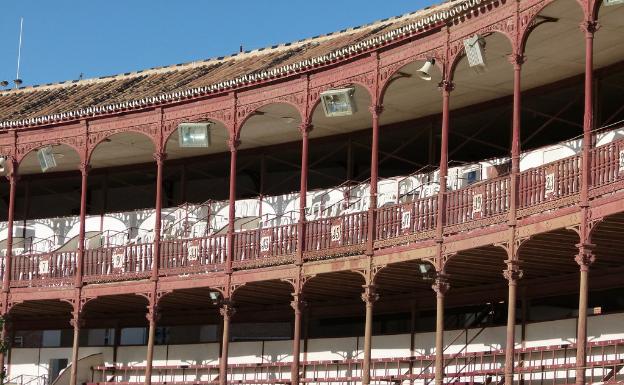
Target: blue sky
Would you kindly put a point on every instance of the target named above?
(64, 38)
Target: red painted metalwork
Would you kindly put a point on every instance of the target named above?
(8, 268)
(160, 160)
(558, 185)
(84, 172)
(234, 143)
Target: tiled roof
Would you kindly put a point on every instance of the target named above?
(74, 99)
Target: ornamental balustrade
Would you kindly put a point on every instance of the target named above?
(547, 187)
(554, 364)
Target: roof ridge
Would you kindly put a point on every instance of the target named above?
(204, 62)
(423, 20)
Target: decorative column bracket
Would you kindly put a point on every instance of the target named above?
(585, 257)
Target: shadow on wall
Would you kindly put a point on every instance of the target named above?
(84, 370)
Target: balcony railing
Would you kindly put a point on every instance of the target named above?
(547, 187)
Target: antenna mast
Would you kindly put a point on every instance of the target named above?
(19, 53)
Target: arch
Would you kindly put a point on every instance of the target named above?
(474, 266)
(531, 25)
(460, 54)
(391, 77)
(29, 309)
(283, 117)
(347, 82)
(272, 292)
(68, 157)
(341, 285)
(249, 111)
(103, 137)
(109, 137)
(219, 122)
(115, 304)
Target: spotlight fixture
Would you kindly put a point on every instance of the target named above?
(46, 158)
(338, 102)
(194, 134)
(215, 297)
(612, 2)
(423, 72)
(424, 268)
(474, 52)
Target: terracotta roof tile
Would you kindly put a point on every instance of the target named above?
(38, 101)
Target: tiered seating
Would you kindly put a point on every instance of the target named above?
(534, 365)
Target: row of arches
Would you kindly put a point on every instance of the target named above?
(404, 95)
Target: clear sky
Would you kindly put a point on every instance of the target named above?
(64, 38)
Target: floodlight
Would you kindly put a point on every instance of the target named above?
(612, 2)
(214, 295)
(424, 268)
(474, 52)
(46, 158)
(338, 102)
(194, 134)
(423, 72)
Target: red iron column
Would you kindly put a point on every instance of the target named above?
(585, 256)
(160, 160)
(369, 297)
(227, 310)
(152, 318)
(84, 171)
(305, 129)
(440, 286)
(446, 87)
(232, 205)
(297, 304)
(6, 279)
(512, 274)
(517, 61)
(376, 111)
(76, 322)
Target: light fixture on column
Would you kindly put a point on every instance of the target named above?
(424, 268)
(194, 134)
(423, 72)
(338, 102)
(46, 158)
(474, 52)
(215, 297)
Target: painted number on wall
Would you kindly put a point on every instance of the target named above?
(477, 203)
(193, 251)
(44, 266)
(406, 220)
(118, 258)
(336, 233)
(549, 188)
(265, 244)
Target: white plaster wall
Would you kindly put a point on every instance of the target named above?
(334, 349)
(606, 327)
(195, 354)
(391, 346)
(278, 351)
(550, 333)
(35, 361)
